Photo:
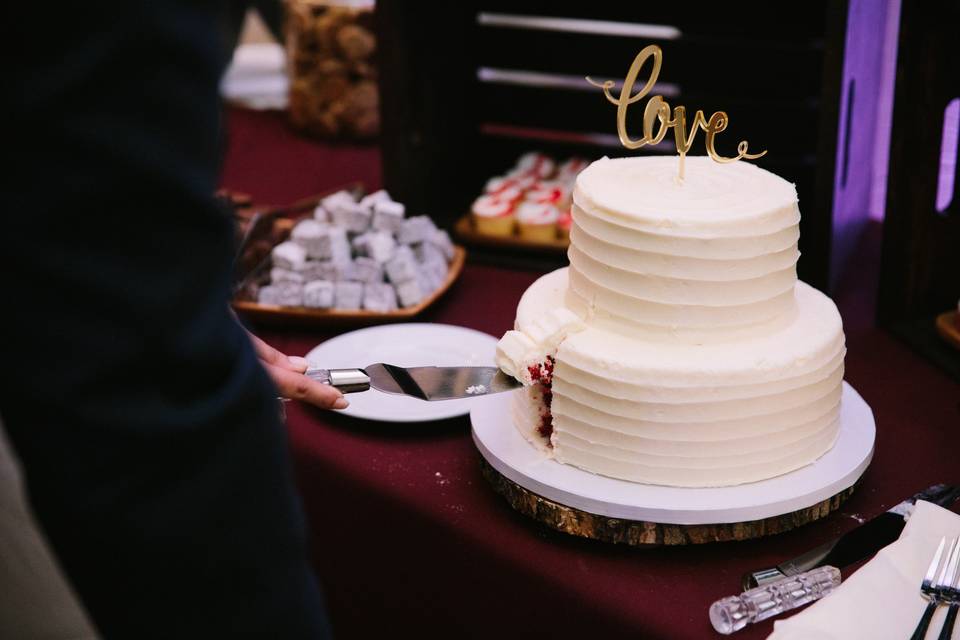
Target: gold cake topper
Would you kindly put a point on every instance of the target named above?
(658, 109)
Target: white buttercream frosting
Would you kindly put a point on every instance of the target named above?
(515, 352)
(717, 251)
(531, 343)
(686, 351)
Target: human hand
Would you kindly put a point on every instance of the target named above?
(287, 373)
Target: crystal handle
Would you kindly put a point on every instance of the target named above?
(346, 380)
(734, 613)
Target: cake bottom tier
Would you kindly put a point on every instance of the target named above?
(632, 406)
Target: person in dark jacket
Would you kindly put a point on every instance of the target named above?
(146, 426)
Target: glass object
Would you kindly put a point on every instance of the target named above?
(734, 613)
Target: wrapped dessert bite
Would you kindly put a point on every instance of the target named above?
(353, 255)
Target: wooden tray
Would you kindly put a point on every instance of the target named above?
(948, 326)
(335, 317)
(273, 224)
(467, 233)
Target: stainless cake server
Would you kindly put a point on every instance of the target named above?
(426, 383)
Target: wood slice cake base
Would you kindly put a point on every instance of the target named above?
(637, 533)
(584, 504)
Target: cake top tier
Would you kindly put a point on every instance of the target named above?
(710, 259)
(645, 192)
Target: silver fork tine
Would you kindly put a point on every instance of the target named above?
(949, 566)
(931, 574)
(930, 587)
(949, 593)
(955, 569)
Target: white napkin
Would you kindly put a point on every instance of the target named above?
(882, 599)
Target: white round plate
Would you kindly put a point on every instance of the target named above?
(414, 344)
(510, 454)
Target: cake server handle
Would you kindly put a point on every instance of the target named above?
(734, 613)
(346, 380)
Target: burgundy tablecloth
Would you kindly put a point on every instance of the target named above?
(408, 537)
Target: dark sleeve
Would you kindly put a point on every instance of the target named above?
(149, 434)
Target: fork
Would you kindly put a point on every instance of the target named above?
(950, 593)
(939, 575)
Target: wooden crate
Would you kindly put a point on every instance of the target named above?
(454, 112)
(920, 263)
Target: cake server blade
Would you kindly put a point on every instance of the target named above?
(425, 383)
(857, 544)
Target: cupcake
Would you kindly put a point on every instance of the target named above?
(522, 181)
(537, 221)
(506, 189)
(493, 216)
(509, 194)
(535, 164)
(547, 193)
(499, 183)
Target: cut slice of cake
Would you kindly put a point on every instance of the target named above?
(529, 353)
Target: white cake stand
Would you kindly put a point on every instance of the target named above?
(586, 504)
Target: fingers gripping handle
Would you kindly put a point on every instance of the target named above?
(346, 380)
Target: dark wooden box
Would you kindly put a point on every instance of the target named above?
(920, 262)
(454, 112)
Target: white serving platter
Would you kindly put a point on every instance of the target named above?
(506, 450)
(412, 344)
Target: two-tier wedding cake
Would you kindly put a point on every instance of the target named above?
(678, 348)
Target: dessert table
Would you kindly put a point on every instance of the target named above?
(407, 535)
